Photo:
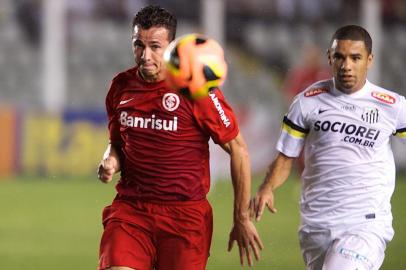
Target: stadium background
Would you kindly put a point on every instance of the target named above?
(57, 58)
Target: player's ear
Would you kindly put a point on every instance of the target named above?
(328, 53)
(370, 60)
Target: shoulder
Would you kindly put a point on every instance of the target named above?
(385, 96)
(314, 93)
(214, 97)
(311, 98)
(216, 101)
(118, 83)
(215, 106)
(124, 76)
(318, 88)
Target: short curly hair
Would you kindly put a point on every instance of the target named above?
(152, 16)
(355, 33)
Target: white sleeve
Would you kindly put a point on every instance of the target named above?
(401, 121)
(294, 131)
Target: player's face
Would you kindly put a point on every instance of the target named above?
(148, 48)
(350, 62)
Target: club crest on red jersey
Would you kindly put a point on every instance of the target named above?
(383, 97)
(315, 92)
(170, 101)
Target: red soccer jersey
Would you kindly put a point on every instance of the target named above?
(164, 137)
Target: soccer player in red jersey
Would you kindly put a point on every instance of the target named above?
(160, 218)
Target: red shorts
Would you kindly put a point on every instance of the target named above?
(156, 235)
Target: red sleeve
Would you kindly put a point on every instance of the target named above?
(215, 116)
(112, 100)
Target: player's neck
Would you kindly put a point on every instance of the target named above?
(350, 91)
(149, 79)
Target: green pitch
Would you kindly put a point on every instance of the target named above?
(55, 224)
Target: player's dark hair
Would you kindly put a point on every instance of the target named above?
(355, 33)
(156, 16)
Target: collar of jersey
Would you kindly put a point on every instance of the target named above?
(359, 93)
(150, 85)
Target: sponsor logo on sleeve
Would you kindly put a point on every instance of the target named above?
(220, 110)
(315, 92)
(383, 97)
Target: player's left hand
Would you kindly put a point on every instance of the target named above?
(264, 197)
(248, 240)
(107, 168)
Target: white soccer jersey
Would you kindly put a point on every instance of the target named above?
(349, 174)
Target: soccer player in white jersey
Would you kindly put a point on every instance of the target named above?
(344, 126)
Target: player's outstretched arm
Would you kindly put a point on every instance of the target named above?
(243, 230)
(109, 165)
(277, 174)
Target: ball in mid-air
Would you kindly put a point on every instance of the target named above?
(195, 64)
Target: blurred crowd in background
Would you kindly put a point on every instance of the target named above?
(274, 48)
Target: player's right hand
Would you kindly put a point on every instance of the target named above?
(107, 168)
(248, 240)
(263, 198)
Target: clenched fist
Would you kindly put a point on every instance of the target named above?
(107, 168)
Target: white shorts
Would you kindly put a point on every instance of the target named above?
(359, 247)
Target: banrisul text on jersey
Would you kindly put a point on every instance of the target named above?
(151, 122)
